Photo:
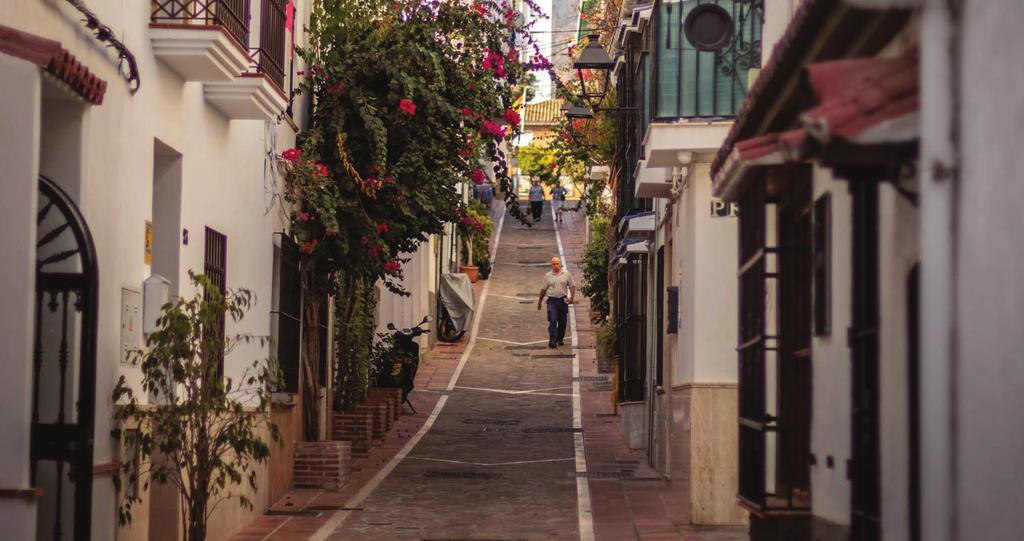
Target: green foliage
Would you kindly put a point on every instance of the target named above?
(354, 343)
(208, 430)
(475, 230)
(606, 338)
(538, 162)
(408, 95)
(595, 269)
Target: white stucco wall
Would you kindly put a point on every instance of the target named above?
(830, 424)
(19, 114)
(105, 156)
(989, 268)
(898, 234)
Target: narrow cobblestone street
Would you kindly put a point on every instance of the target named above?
(494, 452)
(498, 461)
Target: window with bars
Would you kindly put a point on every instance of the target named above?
(693, 83)
(632, 328)
(633, 94)
(287, 314)
(215, 267)
(775, 342)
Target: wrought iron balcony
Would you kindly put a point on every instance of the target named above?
(233, 15)
(269, 57)
(703, 79)
(201, 40)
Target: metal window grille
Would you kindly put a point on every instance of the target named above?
(823, 265)
(233, 15)
(774, 345)
(864, 472)
(632, 328)
(215, 267)
(288, 315)
(659, 378)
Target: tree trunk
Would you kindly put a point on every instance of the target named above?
(310, 356)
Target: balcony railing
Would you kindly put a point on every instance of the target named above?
(269, 56)
(233, 15)
(705, 84)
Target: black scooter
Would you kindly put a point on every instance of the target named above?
(409, 352)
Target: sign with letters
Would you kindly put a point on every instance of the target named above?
(721, 209)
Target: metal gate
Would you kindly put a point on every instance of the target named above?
(64, 367)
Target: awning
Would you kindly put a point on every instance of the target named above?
(865, 100)
(861, 101)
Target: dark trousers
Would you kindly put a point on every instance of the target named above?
(558, 315)
(535, 208)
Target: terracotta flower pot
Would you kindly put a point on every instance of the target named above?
(469, 271)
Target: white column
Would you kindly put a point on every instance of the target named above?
(19, 154)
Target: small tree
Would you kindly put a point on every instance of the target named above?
(208, 430)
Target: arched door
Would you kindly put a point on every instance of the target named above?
(64, 367)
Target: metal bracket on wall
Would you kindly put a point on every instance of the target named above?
(125, 59)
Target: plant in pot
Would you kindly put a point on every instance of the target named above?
(475, 230)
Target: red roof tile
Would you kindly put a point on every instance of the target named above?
(864, 100)
(58, 61)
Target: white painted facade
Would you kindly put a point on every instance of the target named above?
(166, 154)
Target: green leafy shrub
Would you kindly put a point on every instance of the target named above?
(208, 429)
(595, 269)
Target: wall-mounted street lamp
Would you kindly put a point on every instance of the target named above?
(594, 70)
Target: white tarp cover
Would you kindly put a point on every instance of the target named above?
(457, 296)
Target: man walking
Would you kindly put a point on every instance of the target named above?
(536, 200)
(560, 290)
(558, 200)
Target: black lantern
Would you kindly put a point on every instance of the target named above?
(593, 68)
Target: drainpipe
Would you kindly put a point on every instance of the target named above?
(939, 171)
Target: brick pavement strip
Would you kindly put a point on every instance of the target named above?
(497, 463)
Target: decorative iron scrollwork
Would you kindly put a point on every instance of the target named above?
(125, 59)
(744, 52)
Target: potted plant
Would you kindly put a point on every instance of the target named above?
(475, 230)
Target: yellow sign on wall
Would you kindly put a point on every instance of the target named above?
(148, 257)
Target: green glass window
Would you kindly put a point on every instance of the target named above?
(694, 83)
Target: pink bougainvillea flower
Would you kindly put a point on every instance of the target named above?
(511, 116)
(467, 112)
(494, 129)
(381, 228)
(392, 266)
(407, 106)
(478, 176)
(292, 154)
(374, 251)
(479, 8)
(307, 247)
(365, 240)
(389, 180)
(374, 168)
(321, 170)
(303, 216)
(554, 165)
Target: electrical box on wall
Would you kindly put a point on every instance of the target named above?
(131, 322)
(157, 291)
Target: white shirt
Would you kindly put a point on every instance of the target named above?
(558, 285)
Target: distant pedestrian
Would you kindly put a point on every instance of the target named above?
(558, 199)
(560, 290)
(536, 199)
